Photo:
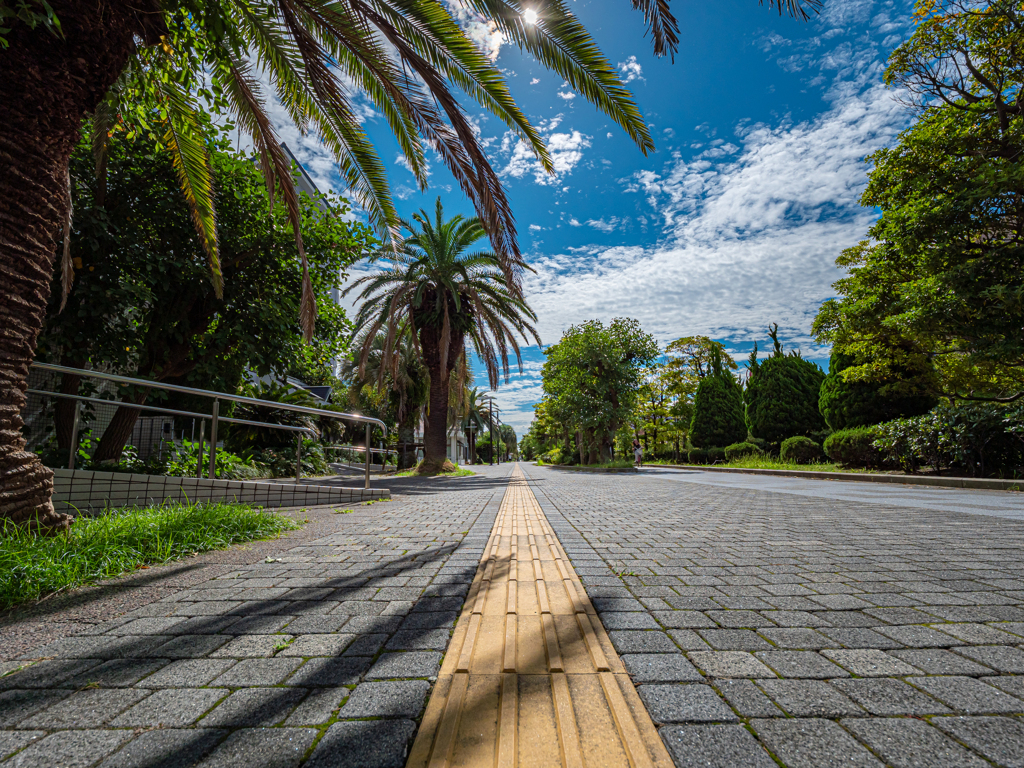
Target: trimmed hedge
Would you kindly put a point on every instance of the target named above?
(739, 450)
(800, 450)
(706, 455)
(859, 403)
(854, 447)
(782, 398)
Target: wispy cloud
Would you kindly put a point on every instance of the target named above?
(631, 70)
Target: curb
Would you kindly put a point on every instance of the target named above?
(603, 470)
(988, 484)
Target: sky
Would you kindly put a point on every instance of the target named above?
(762, 126)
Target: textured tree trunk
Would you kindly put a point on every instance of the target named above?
(435, 431)
(406, 438)
(64, 410)
(48, 84)
(117, 433)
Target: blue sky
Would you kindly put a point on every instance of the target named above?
(761, 125)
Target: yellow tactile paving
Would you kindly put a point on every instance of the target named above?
(530, 679)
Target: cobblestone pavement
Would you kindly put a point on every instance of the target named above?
(815, 630)
(324, 652)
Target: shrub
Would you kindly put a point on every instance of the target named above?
(782, 396)
(716, 455)
(717, 410)
(281, 461)
(697, 456)
(846, 404)
(739, 450)
(978, 437)
(181, 462)
(854, 447)
(800, 450)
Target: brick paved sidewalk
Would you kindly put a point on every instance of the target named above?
(323, 649)
(825, 632)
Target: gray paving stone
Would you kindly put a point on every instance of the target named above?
(685, 703)
(252, 646)
(734, 640)
(1000, 739)
(1011, 684)
(51, 673)
(809, 698)
(118, 673)
(259, 625)
(103, 647)
(192, 646)
(885, 696)
(1001, 658)
(900, 615)
(203, 625)
(850, 619)
(798, 638)
(812, 743)
(727, 664)
(174, 707)
(976, 633)
(404, 698)
(436, 620)
(660, 668)
(315, 625)
(308, 646)
(188, 673)
(364, 744)
(714, 746)
(967, 695)
(254, 707)
(366, 645)
(632, 620)
(329, 673)
(318, 707)
(907, 743)
(919, 637)
(167, 748)
(800, 664)
(412, 664)
(12, 741)
(859, 637)
(70, 749)
(419, 640)
(739, 619)
(262, 748)
(747, 699)
(936, 661)
(869, 663)
(688, 640)
(257, 672)
(153, 625)
(17, 705)
(641, 641)
(85, 709)
(795, 619)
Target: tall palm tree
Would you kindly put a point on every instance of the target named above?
(398, 370)
(452, 298)
(61, 58)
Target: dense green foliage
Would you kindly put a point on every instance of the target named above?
(592, 378)
(854, 447)
(717, 410)
(102, 547)
(800, 450)
(845, 404)
(782, 395)
(712, 455)
(982, 438)
(738, 450)
(943, 281)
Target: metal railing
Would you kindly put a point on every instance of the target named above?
(360, 449)
(214, 416)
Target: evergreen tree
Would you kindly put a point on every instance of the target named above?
(717, 409)
(782, 395)
(846, 404)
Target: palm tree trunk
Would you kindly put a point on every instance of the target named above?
(435, 430)
(49, 83)
(406, 438)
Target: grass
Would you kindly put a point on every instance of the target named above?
(769, 462)
(459, 472)
(33, 567)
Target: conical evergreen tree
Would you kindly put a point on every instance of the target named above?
(717, 409)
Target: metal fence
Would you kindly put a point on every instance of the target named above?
(154, 433)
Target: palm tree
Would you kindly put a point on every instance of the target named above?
(451, 298)
(60, 61)
(474, 422)
(398, 371)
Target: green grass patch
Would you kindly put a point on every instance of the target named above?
(459, 472)
(119, 541)
(771, 462)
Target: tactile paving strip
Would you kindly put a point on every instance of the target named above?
(530, 677)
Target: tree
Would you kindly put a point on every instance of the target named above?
(782, 394)
(61, 59)
(449, 296)
(942, 283)
(592, 378)
(717, 408)
(142, 305)
(400, 375)
(845, 404)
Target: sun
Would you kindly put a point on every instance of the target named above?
(530, 16)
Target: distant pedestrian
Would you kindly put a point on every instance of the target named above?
(638, 453)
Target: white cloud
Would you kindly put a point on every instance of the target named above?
(565, 149)
(534, 81)
(631, 70)
(567, 96)
(604, 226)
(483, 32)
(751, 236)
(535, 228)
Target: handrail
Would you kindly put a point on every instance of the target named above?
(215, 415)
